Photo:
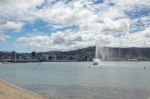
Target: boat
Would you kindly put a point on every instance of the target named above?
(96, 61)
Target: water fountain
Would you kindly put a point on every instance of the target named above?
(97, 58)
(103, 53)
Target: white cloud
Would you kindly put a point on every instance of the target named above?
(18, 9)
(12, 25)
(57, 41)
(61, 13)
(129, 4)
(137, 39)
(39, 42)
(20, 4)
(68, 40)
(2, 38)
(100, 22)
(111, 26)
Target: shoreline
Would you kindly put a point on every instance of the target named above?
(6, 62)
(9, 90)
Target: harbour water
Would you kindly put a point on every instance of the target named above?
(82, 80)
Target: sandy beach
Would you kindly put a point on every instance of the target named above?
(10, 91)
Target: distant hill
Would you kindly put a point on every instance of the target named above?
(84, 54)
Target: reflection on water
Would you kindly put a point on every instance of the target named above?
(109, 80)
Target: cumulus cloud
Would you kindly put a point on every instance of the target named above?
(136, 39)
(105, 22)
(12, 26)
(20, 4)
(75, 39)
(18, 9)
(2, 38)
(139, 39)
(111, 26)
(61, 13)
(91, 30)
(57, 41)
(40, 42)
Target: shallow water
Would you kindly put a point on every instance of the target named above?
(75, 80)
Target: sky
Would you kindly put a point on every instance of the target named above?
(48, 25)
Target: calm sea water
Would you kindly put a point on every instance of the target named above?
(82, 80)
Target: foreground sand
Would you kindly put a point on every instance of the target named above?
(9, 91)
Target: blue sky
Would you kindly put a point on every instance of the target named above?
(45, 25)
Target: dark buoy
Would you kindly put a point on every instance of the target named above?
(145, 67)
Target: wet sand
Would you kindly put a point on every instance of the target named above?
(10, 91)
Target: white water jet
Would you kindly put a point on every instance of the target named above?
(97, 58)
